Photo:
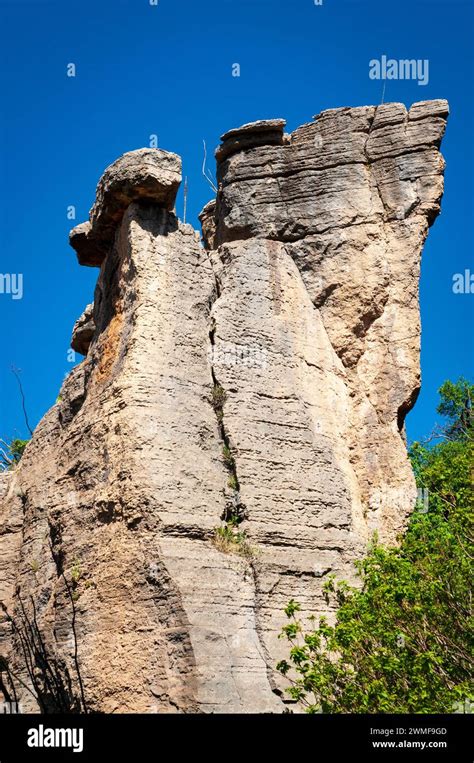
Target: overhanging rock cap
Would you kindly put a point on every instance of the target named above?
(265, 132)
(147, 173)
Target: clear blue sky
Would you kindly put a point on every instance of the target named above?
(166, 69)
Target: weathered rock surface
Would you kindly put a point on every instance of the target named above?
(83, 331)
(266, 132)
(149, 174)
(207, 218)
(290, 342)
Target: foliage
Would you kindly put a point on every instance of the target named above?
(457, 405)
(218, 399)
(232, 482)
(228, 458)
(76, 573)
(230, 540)
(11, 453)
(402, 642)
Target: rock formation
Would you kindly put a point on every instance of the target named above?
(83, 331)
(259, 383)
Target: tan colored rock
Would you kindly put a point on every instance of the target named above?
(351, 198)
(88, 252)
(266, 132)
(148, 174)
(292, 342)
(207, 218)
(423, 109)
(83, 331)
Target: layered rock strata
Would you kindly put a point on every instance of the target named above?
(259, 383)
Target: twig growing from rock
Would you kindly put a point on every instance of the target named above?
(206, 172)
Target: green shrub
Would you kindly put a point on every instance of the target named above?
(218, 400)
(230, 541)
(232, 482)
(228, 458)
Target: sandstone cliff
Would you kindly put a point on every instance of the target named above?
(258, 383)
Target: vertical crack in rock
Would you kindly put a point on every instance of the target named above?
(260, 627)
(235, 512)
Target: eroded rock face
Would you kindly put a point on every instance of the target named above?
(265, 377)
(207, 218)
(350, 199)
(83, 331)
(149, 174)
(266, 132)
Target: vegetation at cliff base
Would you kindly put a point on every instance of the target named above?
(403, 642)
